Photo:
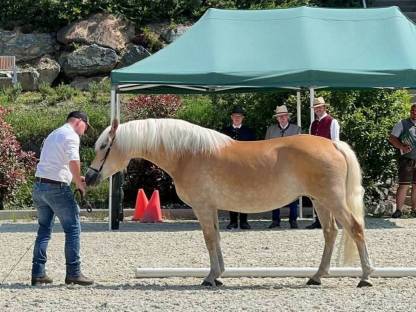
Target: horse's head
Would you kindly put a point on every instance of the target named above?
(108, 157)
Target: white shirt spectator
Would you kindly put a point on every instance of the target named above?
(59, 148)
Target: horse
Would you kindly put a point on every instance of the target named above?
(213, 172)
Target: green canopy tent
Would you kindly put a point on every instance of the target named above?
(296, 48)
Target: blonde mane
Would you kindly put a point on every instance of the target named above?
(174, 135)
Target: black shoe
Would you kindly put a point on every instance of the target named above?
(274, 224)
(232, 225)
(315, 225)
(36, 281)
(79, 280)
(245, 226)
(293, 224)
(397, 214)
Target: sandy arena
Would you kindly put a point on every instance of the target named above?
(111, 258)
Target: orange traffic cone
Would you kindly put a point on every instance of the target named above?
(141, 203)
(153, 213)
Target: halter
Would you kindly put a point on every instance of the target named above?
(104, 159)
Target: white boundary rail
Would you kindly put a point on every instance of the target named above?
(273, 272)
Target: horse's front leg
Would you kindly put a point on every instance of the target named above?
(209, 224)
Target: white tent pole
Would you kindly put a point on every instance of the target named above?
(311, 100)
(273, 272)
(299, 119)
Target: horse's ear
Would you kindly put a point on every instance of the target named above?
(114, 126)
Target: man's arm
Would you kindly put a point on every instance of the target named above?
(404, 148)
(334, 130)
(75, 168)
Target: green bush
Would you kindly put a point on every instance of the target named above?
(33, 118)
(50, 15)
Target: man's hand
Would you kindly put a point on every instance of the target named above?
(81, 185)
(405, 148)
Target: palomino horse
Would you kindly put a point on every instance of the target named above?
(212, 171)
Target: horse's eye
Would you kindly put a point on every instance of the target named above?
(103, 146)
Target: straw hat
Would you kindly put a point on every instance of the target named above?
(319, 101)
(281, 110)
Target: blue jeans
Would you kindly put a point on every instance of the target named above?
(293, 214)
(51, 200)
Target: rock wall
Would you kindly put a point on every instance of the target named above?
(81, 52)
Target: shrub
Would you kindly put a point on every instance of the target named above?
(15, 164)
(152, 106)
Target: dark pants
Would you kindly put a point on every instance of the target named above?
(234, 217)
(293, 214)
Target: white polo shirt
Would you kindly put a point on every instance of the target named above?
(59, 148)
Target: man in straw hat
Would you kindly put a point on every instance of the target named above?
(325, 126)
(403, 137)
(283, 128)
(239, 132)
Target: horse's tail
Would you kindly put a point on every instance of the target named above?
(354, 197)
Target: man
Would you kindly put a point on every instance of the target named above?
(325, 126)
(240, 132)
(281, 129)
(403, 137)
(59, 165)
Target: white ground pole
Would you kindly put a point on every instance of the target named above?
(115, 113)
(299, 117)
(311, 100)
(273, 272)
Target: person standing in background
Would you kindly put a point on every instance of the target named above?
(239, 132)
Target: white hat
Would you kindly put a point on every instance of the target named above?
(281, 110)
(319, 101)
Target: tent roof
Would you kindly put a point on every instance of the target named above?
(249, 50)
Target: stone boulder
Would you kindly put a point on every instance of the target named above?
(88, 61)
(48, 70)
(28, 77)
(26, 46)
(102, 29)
(83, 83)
(170, 34)
(132, 54)
(32, 75)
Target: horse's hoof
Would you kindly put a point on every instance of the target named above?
(206, 283)
(312, 282)
(218, 283)
(364, 284)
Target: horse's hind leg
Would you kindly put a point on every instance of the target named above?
(330, 230)
(356, 231)
(208, 219)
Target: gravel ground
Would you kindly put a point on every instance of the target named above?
(111, 257)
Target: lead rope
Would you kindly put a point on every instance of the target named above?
(18, 261)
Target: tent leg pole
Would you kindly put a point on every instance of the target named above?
(299, 119)
(114, 114)
(311, 100)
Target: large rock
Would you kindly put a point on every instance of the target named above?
(102, 29)
(170, 34)
(83, 83)
(26, 46)
(28, 77)
(88, 61)
(32, 75)
(48, 70)
(132, 54)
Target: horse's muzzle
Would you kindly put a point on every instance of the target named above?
(93, 177)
